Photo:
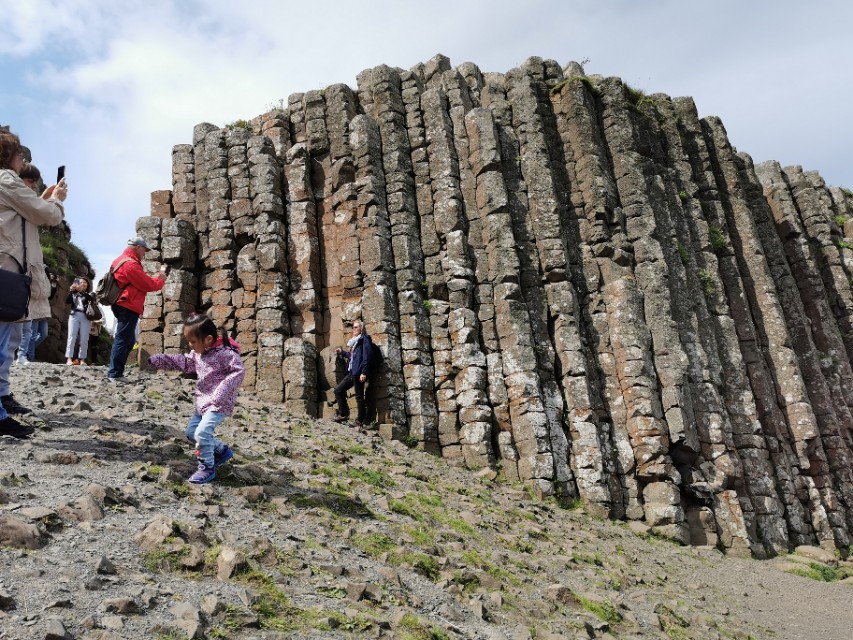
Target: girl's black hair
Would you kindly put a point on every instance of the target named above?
(202, 326)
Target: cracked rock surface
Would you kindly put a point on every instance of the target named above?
(317, 530)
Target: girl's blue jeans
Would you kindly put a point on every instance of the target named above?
(200, 433)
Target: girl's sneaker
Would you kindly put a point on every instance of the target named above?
(203, 474)
(221, 458)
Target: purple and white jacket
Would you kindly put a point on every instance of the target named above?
(220, 372)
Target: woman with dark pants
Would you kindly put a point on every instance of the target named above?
(21, 214)
(358, 354)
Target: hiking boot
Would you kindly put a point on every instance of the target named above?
(203, 474)
(118, 380)
(221, 458)
(11, 427)
(340, 418)
(11, 405)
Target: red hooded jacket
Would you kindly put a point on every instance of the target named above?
(135, 281)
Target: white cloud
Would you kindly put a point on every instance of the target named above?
(110, 86)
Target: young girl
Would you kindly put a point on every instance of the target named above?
(78, 324)
(215, 358)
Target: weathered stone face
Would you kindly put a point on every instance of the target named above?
(581, 283)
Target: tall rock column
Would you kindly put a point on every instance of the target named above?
(381, 95)
(639, 193)
(602, 458)
(380, 308)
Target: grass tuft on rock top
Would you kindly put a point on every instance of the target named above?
(411, 628)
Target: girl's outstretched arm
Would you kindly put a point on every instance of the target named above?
(173, 362)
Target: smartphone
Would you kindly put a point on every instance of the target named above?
(60, 174)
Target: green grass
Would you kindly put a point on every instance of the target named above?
(406, 507)
(373, 478)
(62, 256)
(412, 628)
(840, 219)
(374, 544)
(842, 244)
(716, 238)
(706, 278)
(239, 124)
(604, 611)
(819, 572)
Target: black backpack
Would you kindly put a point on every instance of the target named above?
(374, 362)
(108, 289)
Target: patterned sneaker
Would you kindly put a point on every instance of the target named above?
(221, 458)
(11, 405)
(203, 474)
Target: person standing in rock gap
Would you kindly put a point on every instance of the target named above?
(78, 324)
(359, 356)
(22, 211)
(130, 275)
(215, 359)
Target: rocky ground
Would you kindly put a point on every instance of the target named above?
(321, 531)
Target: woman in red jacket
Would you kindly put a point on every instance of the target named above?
(130, 275)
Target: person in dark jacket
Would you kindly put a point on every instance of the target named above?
(358, 354)
(79, 297)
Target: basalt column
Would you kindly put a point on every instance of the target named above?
(603, 459)
(381, 94)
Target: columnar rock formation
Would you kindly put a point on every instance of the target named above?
(579, 283)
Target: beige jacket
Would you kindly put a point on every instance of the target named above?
(18, 201)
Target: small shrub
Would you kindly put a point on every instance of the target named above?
(371, 477)
(716, 238)
(604, 611)
(682, 195)
(374, 544)
(426, 565)
(404, 507)
(427, 304)
(840, 219)
(706, 278)
(410, 441)
(842, 244)
(819, 572)
(239, 124)
(63, 256)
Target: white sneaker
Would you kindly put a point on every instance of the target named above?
(119, 380)
(23, 360)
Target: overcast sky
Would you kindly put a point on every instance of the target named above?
(107, 87)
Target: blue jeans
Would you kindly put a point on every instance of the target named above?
(200, 433)
(9, 341)
(37, 336)
(26, 336)
(123, 340)
(6, 353)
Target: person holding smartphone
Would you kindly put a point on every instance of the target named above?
(22, 211)
(130, 275)
(78, 324)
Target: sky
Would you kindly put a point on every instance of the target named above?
(108, 87)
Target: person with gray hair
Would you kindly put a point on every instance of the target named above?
(135, 283)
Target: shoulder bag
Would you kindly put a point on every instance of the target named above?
(15, 287)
